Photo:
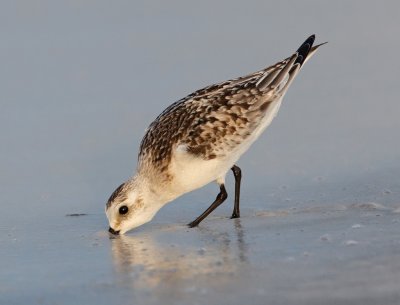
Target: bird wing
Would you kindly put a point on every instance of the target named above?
(213, 121)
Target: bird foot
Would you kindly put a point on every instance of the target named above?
(192, 224)
(235, 215)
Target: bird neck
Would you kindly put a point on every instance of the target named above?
(154, 193)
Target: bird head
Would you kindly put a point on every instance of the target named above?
(128, 208)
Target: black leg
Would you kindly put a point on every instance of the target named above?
(220, 199)
(238, 176)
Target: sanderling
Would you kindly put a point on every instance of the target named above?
(199, 138)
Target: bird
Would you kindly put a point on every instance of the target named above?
(199, 139)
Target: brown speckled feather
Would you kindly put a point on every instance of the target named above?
(211, 121)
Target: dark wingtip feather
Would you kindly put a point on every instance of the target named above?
(304, 49)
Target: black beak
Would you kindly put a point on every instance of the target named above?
(112, 231)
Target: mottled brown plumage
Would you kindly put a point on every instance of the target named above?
(212, 121)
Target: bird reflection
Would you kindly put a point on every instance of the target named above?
(176, 257)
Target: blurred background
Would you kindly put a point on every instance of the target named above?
(82, 80)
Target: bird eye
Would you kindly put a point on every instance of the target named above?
(123, 210)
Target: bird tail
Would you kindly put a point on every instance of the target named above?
(313, 50)
(283, 73)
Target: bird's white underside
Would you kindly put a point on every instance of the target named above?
(191, 172)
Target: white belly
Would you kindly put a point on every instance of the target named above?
(190, 172)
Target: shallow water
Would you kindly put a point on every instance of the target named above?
(320, 196)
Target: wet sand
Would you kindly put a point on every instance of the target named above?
(304, 254)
